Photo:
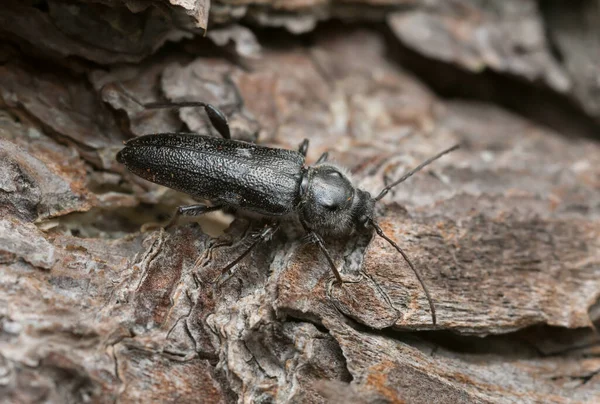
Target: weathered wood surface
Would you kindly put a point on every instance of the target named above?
(97, 306)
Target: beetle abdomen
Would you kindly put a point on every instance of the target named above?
(228, 172)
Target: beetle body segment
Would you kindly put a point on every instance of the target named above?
(226, 172)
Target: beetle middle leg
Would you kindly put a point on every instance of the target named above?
(191, 210)
(265, 234)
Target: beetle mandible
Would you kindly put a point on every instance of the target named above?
(240, 176)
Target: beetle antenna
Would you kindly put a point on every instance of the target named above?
(430, 160)
(397, 247)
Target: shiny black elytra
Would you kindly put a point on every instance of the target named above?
(240, 176)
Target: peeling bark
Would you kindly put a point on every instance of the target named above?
(99, 304)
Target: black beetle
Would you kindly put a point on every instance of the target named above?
(240, 176)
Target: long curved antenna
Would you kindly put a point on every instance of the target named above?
(385, 190)
(389, 240)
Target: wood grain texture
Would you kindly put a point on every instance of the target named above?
(98, 304)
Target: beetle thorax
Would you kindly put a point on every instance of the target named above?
(331, 204)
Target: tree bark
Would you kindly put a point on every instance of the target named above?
(98, 303)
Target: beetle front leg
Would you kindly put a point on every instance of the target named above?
(315, 238)
(191, 210)
(265, 234)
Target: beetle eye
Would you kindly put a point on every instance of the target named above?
(334, 174)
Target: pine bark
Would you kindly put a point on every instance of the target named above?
(99, 304)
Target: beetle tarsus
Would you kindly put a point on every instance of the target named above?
(191, 210)
(218, 120)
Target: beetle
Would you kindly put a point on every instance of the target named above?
(239, 176)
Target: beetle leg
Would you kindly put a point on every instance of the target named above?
(323, 158)
(265, 234)
(216, 116)
(303, 147)
(191, 210)
(315, 238)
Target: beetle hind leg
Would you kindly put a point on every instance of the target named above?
(217, 118)
(215, 115)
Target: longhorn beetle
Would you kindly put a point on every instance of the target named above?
(239, 176)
